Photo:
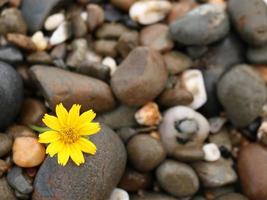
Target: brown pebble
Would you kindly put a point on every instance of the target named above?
(95, 16)
(21, 41)
(106, 47)
(123, 4)
(5, 144)
(20, 131)
(127, 42)
(4, 166)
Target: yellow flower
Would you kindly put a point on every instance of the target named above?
(67, 136)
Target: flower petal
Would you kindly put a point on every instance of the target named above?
(87, 117)
(62, 114)
(49, 136)
(86, 146)
(63, 156)
(74, 113)
(76, 155)
(90, 128)
(54, 148)
(52, 122)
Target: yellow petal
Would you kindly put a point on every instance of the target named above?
(62, 114)
(54, 148)
(87, 116)
(74, 113)
(63, 156)
(89, 128)
(52, 122)
(49, 136)
(86, 146)
(76, 154)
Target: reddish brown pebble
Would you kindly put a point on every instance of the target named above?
(21, 41)
(95, 16)
(3, 167)
(148, 115)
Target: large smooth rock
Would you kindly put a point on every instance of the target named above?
(58, 85)
(93, 180)
(242, 93)
(5, 191)
(11, 94)
(203, 25)
(36, 11)
(249, 18)
(252, 166)
(140, 78)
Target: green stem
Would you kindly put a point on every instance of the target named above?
(39, 128)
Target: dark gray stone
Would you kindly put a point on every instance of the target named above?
(11, 94)
(10, 54)
(257, 55)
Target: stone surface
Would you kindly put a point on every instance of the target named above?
(249, 17)
(177, 178)
(20, 131)
(11, 94)
(236, 91)
(10, 54)
(5, 191)
(201, 26)
(145, 152)
(257, 55)
(127, 42)
(141, 76)
(58, 85)
(153, 196)
(111, 31)
(93, 180)
(95, 16)
(5, 144)
(252, 164)
(21, 41)
(232, 196)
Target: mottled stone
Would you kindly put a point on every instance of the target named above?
(5, 191)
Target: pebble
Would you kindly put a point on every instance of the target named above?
(54, 21)
(122, 4)
(257, 55)
(222, 140)
(232, 196)
(143, 80)
(111, 63)
(127, 42)
(177, 62)
(27, 152)
(236, 91)
(40, 41)
(31, 112)
(39, 57)
(36, 12)
(95, 16)
(193, 82)
(78, 26)
(112, 14)
(106, 47)
(153, 196)
(215, 174)
(5, 190)
(251, 168)
(148, 115)
(15, 131)
(111, 31)
(203, 25)
(11, 94)
(156, 37)
(61, 34)
(145, 152)
(249, 20)
(150, 11)
(133, 181)
(89, 92)
(5, 144)
(212, 152)
(11, 21)
(4, 166)
(119, 194)
(21, 41)
(178, 179)
(18, 181)
(10, 54)
(99, 174)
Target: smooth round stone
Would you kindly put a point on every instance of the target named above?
(95, 16)
(59, 85)
(61, 34)
(10, 54)
(20, 131)
(11, 94)
(145, 152)
(156, 37)
(111, 31)
(119, 194)
(141, 76)
(21, 41)
(106, 47)
(236, 91)
(252, 165)
(127, 42)
(95, 179)
(249, 18)
(232, 196)
(177, 178)
(152, 196)
(257, 55)
(5, 144)
(28, 152)
(6, 192)
(53, 21)
(203, 25)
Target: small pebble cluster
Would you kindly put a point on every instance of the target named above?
(179, 88)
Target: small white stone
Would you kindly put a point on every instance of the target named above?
(40, 41)
(149, 11)
(111, 63)
(211, 152)
(265, 1)
(93, 57)
(61, 34)
(194, 83)
(53, 21)
(84, 15)
(216, 124)
(119, 194)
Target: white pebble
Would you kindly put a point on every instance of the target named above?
(194, 82)
(265, 1)
(119, 194)
(84, 16)
(111, 63)
(211, 152)
(216, 124)
(40, 41)
(61, 34)
(149, 11)
(53, 21)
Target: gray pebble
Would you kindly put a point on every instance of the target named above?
(257, 55)
(5, 144)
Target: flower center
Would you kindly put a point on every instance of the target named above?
(69, 135)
